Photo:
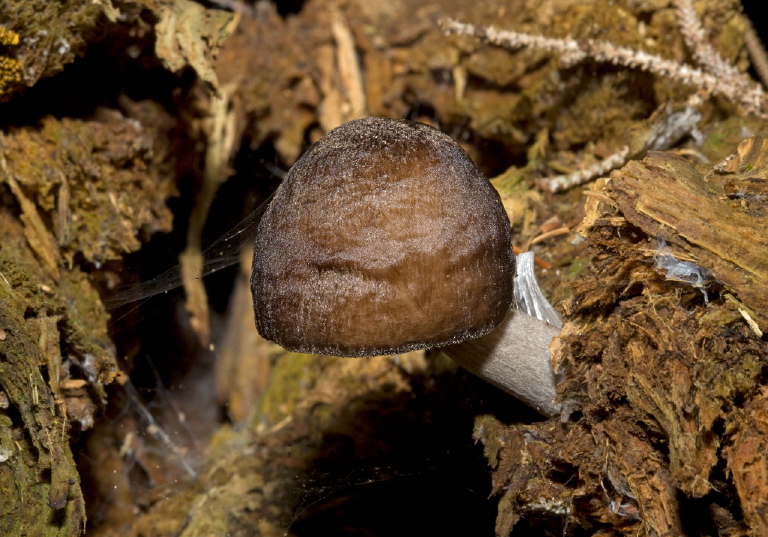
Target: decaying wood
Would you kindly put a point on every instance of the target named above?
(38, 476)
(653, 369)
(85, 189)
(665, 408)
(245, 359)
(747, 457)
(717, 220)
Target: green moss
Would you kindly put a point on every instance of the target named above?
(577, 266)
(726, 135)
(41, 486)
(41, 317)
(289, 379)
(109, 172)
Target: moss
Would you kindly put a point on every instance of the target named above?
(289, 379)
(43, 492)
(46, 323)
(724, 136)
(98, 182)
(577, 266)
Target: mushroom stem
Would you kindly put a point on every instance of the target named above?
(515, 355)
(518, 365)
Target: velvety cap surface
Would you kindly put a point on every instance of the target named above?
(383, 238)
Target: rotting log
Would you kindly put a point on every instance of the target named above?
(662, 384)
(70, 182)
(717, 221)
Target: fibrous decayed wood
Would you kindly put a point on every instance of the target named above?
(747, 457)
(661, 387)
(662, 372)
(74, 184)
(41, 386)
(717, 220)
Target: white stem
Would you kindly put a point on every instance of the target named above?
(514, 357)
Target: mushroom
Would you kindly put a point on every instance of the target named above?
(385, 238)
(515, 355)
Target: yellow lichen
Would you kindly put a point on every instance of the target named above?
(7, 37)
(11, 72)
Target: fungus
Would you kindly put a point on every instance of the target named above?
(385, 238)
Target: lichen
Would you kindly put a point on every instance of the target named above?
(51, 34)
(11, 74)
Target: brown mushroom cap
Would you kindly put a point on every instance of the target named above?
(383, 238)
